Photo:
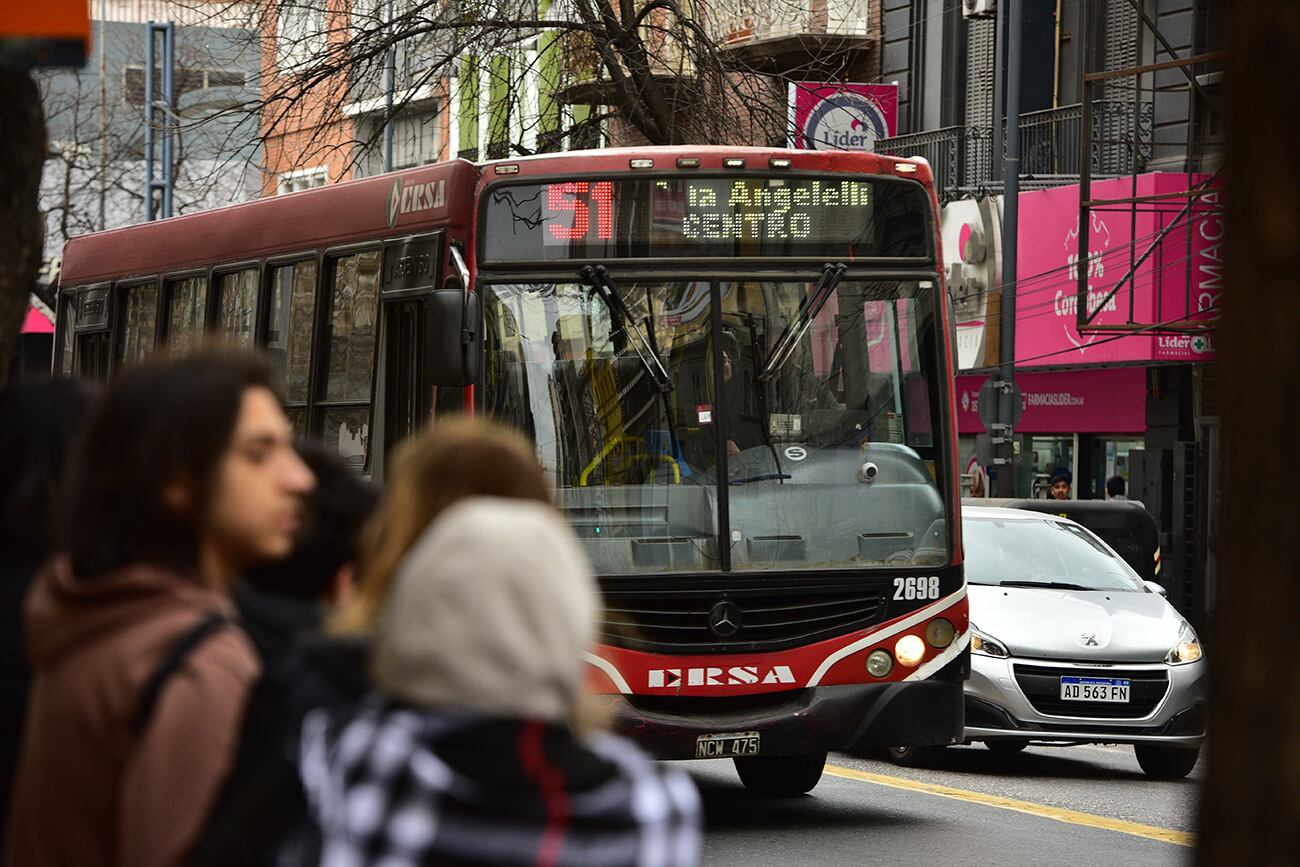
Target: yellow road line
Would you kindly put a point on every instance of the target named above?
(1059, 814)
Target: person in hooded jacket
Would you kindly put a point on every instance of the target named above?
(456, 458)
(469, 750)
(186, 475)
(38, 421)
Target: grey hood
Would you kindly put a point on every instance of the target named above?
(1045, 623)
(491, 611)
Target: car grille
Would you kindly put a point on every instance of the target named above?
(1042, 686)
(768, 619)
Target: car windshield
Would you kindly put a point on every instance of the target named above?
(1037, 552)
(824, 414)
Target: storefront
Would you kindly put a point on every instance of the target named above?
(1084, 421)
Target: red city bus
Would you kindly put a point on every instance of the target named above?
(736, 367)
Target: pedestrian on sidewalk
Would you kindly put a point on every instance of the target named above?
(470, 749)
(186, 476)
(38, 421)
(283, 605)
(454, 459)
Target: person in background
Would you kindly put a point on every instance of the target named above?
(1115, 488)
(283, 600)
(454, 459)
(284, 604)
(185, 477)
(469, 750)
(38, 421)
(1060, 484)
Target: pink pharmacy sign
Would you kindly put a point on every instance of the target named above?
(1107, 400)
(1181, 281)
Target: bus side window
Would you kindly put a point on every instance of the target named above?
(289, 335)
(67, 323)
(138, 318)
(349, 362)
(237, 306)
(186, 300)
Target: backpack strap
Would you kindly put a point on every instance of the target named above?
(176, 656)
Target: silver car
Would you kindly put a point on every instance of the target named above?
(1069, 645)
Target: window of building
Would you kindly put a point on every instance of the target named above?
(300, 38)
(350, 356)
(186, 300)
(289, 333)
(139, 318)
(303, 179)
(184, 81)
(417, 140)
(237, 306)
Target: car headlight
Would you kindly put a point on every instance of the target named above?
(1188, 648)
(985, 645)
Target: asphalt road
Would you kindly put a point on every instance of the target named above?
(1077, 805)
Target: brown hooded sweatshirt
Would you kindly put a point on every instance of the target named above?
(90, 791)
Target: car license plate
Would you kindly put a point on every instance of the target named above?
(1109, 689)
(726, 745)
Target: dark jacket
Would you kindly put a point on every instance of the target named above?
(263, 802)
(15, 672)
(466, 789)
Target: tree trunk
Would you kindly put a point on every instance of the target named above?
(1250, 806)
(22, 154)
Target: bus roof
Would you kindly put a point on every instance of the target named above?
(401, 203)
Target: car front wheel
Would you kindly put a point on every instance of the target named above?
(780, 776)
(915, 757)
(1166, 763)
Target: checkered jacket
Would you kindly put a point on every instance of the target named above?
(381, 792)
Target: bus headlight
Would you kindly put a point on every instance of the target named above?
(940, 633)
(986, 646)
(879, 663)
(909, 650)
(1188, 648)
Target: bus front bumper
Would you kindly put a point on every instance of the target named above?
(855, 717)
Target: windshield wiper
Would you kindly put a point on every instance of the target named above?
(831, 275)
(1050, 585)
(598, 278)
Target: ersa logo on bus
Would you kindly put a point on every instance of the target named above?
(411, 198)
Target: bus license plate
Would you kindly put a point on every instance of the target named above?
(1108, 689)
(726, 745)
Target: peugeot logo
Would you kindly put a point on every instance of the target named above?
(1089, 640)
(725, 619)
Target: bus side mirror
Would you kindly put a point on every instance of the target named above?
(455, 329)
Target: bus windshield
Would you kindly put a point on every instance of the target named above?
(830, 462)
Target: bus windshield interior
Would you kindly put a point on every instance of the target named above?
(824, 408)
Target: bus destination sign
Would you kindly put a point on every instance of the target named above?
(704, 216)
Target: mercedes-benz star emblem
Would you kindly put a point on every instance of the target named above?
(725, 619)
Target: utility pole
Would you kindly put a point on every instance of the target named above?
(1007, 391)
(102, 48)
(163, 106)
(390, 82)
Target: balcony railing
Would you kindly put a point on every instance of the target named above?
(1051, 141)
(1050, 144)
(738, 22)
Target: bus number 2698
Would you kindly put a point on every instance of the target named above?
(916, 587)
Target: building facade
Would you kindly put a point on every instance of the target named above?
(1120, 131)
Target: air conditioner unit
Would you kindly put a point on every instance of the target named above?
(979, 8)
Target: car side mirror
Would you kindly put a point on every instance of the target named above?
(1156, 588)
